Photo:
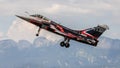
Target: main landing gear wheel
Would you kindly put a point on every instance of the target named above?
(67, 45)
(62, 44)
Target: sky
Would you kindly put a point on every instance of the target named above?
(75, 14)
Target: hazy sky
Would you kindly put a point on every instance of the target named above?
(76, 14)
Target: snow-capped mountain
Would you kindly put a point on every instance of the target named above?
(43, 53)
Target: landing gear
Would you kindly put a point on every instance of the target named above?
(65, 43)
(38, 32)
(62, 44)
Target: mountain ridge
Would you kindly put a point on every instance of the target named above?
(47, 54)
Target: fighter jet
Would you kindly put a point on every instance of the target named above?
(88, 36)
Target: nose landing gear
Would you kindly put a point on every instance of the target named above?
(38, 32)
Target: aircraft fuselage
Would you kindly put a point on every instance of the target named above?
(88, 36)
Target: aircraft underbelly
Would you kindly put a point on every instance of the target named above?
(79, 38)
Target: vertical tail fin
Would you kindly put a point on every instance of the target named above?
(97, 31)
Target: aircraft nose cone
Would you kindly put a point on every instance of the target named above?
(18, 16)
(28, 19)
(24, 18)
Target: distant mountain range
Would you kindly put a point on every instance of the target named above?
(43, 53)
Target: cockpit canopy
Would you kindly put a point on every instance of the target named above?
(40, 16)
(37, 15)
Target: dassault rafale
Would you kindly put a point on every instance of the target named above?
(88, 36)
